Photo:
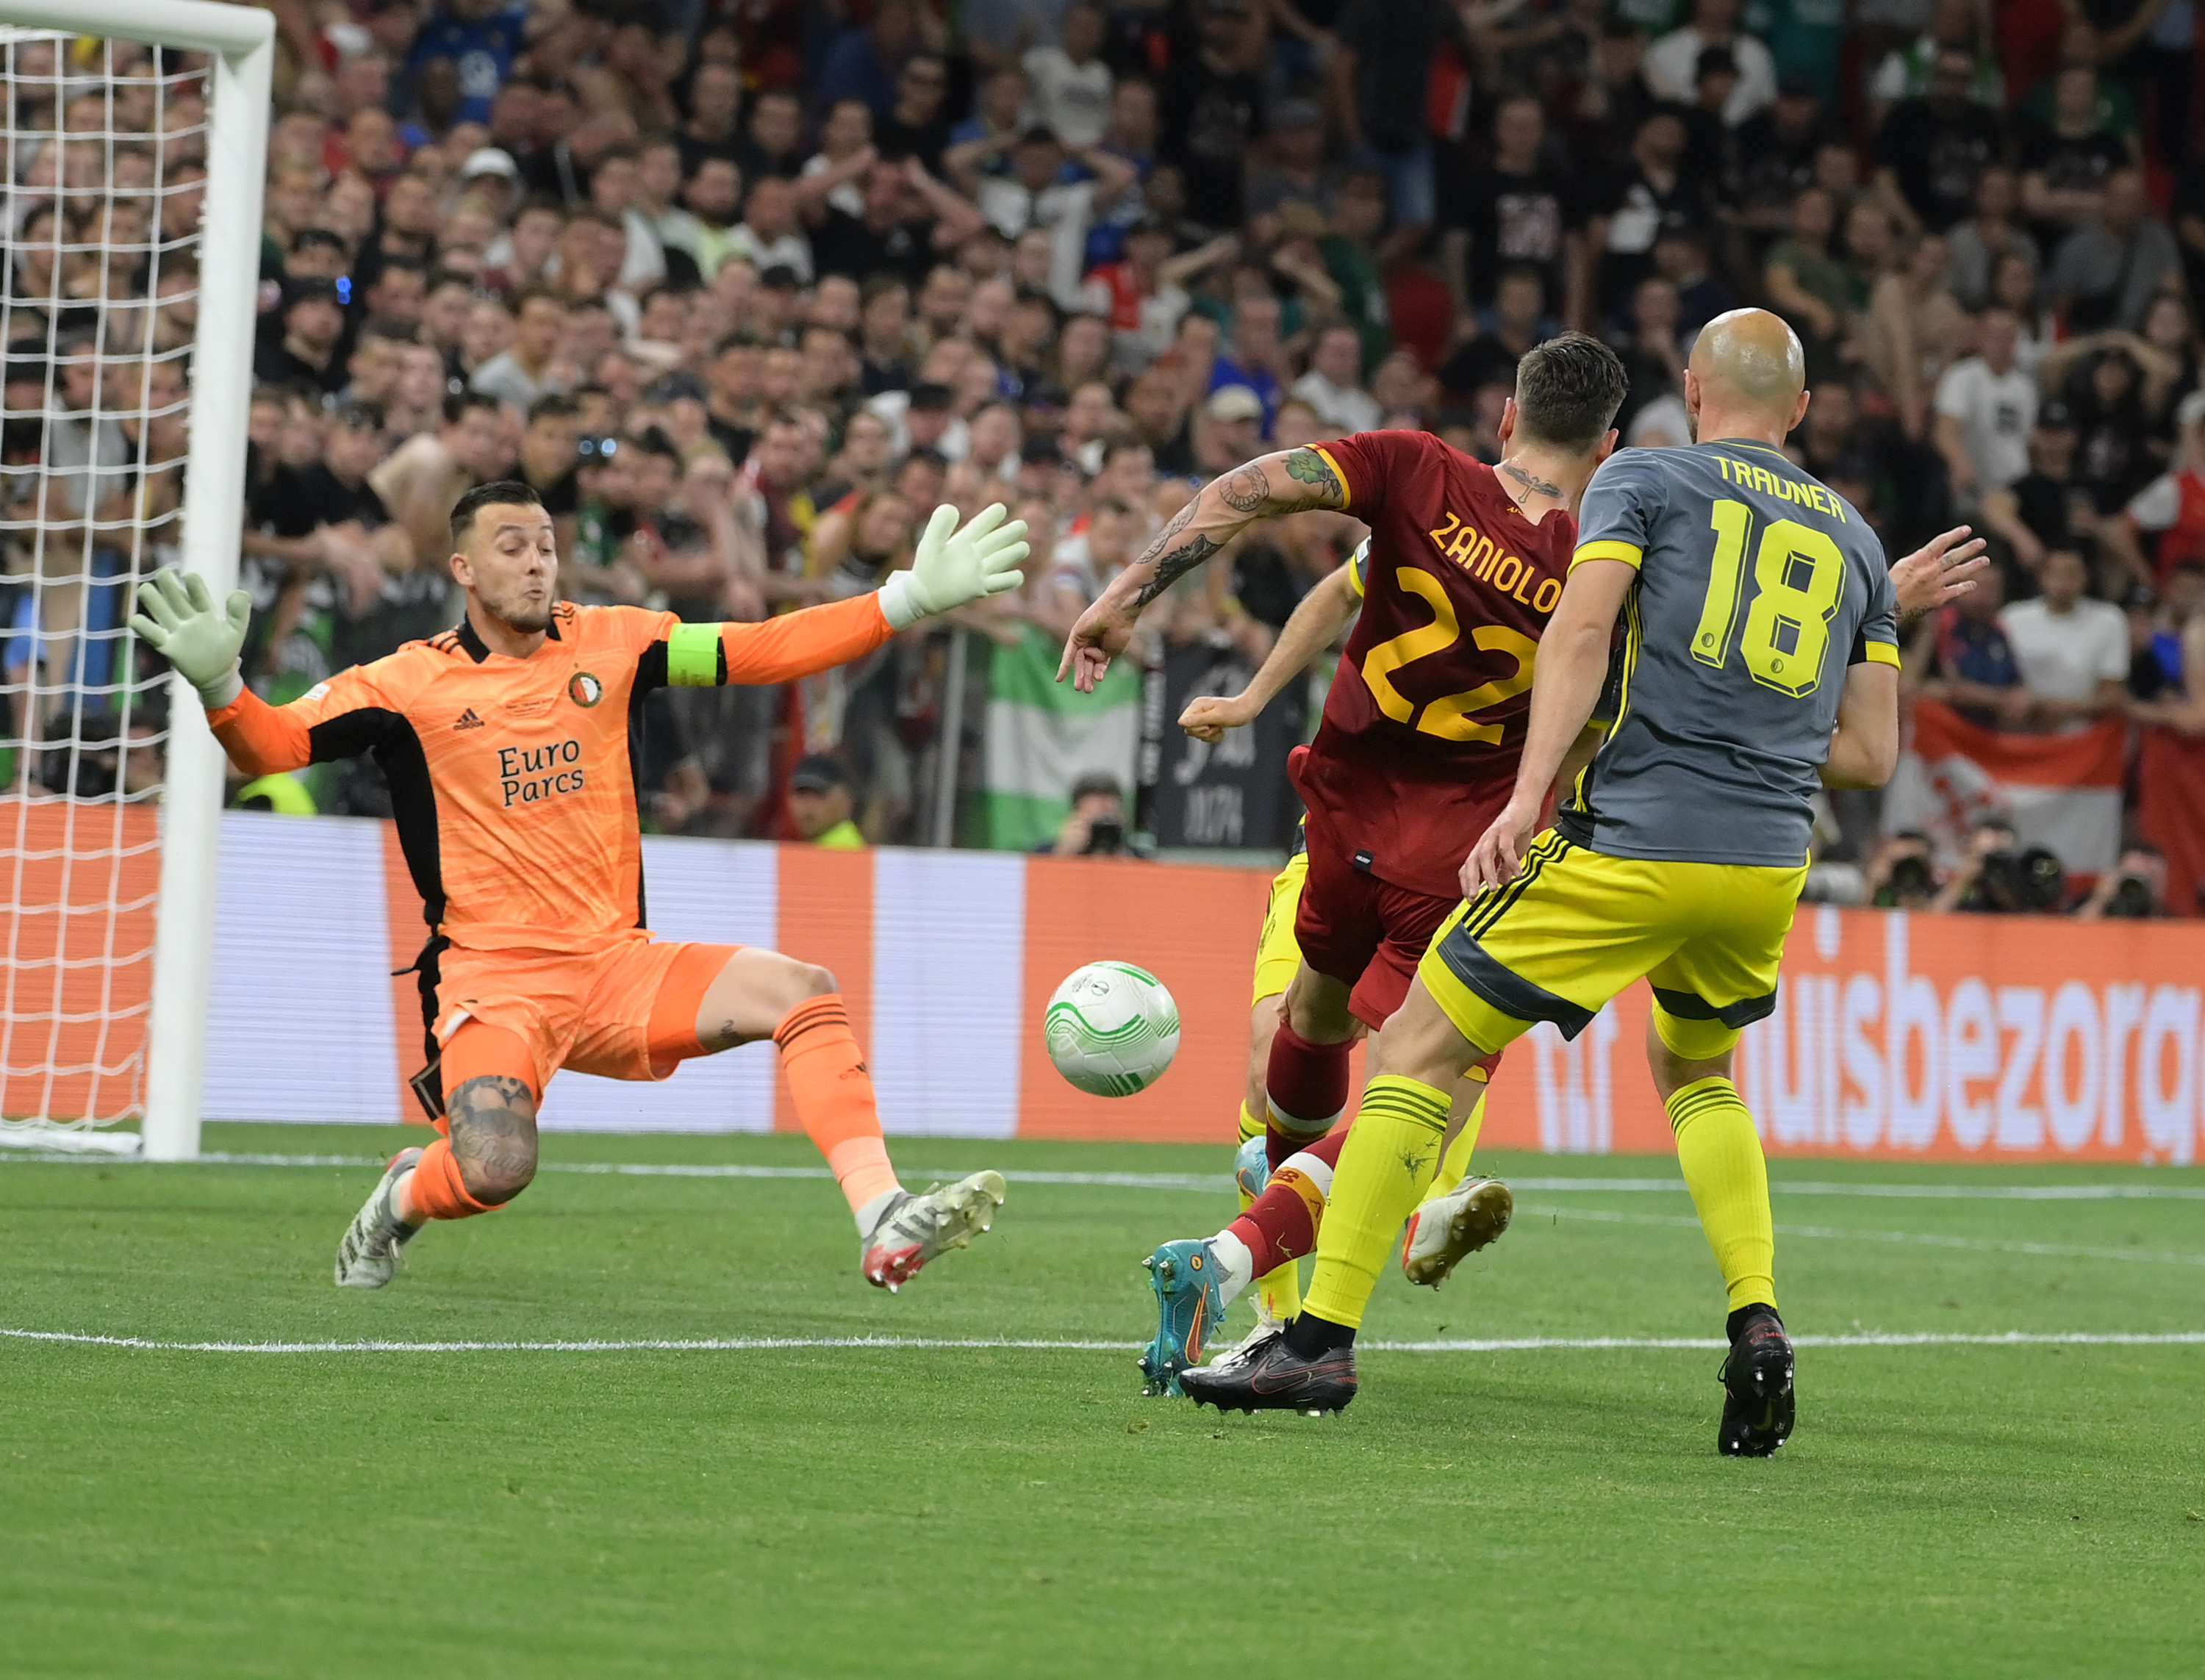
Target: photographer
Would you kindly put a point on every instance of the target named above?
(1998, 877)
(2135, 888)
(1096, 826)
(1903, 875)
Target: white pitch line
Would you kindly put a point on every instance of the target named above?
(1927, 1239)
(1212, 1184)
(925, 1343)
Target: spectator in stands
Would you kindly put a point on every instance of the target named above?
(823, 803)
(2111, 267)
(313, 330)
(2135, 887)
(1069, 84)
(1096, 826)
(2041, 510)
(1986, 407)
(2072, 652)
(2171, 508)
(1976, 245)
(1955, 28)
(1960, 655)
(1334, 384)
(1518, 211)
(1933, 148)
(528, 369)
(1997, 876)
(1673, 63)
(915, 126)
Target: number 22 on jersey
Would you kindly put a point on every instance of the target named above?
(1798, 578)
(1450, 717)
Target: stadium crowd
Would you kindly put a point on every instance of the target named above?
(745, 288)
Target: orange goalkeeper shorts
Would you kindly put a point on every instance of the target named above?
(628, 1011)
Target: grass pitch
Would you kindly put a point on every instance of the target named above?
(1945, 1508)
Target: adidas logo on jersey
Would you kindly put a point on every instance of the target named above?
(468, 720)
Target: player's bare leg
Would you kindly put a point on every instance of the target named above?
(1718, 1151)
(765, 994)
(489, 1159)
(1305, 1075)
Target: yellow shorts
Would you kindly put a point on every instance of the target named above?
(1277, 955)
(1577, 927)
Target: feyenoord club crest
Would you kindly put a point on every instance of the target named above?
(585, 690)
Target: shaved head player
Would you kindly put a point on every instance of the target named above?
(506, 744)
(1760, 662)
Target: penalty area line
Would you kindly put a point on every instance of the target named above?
(930, 1344)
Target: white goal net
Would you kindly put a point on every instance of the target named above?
(105, 393)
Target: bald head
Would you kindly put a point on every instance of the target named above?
(1748, 366)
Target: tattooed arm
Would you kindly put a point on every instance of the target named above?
(1287, 482)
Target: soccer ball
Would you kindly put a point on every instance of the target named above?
(1111, 1029)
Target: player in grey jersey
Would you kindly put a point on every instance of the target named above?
(1759, 661)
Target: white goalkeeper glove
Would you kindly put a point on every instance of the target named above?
(177, 618)
(953, 567)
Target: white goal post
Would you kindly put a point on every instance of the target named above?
(160, 1062)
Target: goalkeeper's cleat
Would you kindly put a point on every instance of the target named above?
(1757, 1378)
(1251, 1168)
(375, 1241)
(1186, 1276)
(912, 1230)
(1273, 1377)
(1449, 1227)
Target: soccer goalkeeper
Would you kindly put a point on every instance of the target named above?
(506, 744)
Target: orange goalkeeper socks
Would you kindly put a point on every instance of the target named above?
(435, 1190)
(833, 1096)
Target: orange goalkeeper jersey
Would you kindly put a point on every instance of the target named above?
(512, 780)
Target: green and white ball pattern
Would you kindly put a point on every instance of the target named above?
(1111, 1029)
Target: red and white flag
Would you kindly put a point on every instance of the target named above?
(2060, 791)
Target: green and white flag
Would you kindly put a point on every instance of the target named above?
(1044, 735)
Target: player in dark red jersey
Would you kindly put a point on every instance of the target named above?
(1424, 722)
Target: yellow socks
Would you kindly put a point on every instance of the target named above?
(1280, 1290)
(1385, 1170)
(1454, 1165)
(1723, 1169)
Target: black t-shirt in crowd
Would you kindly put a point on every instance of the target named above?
(845, 244)
(896, 140)
(1937, 157)
(273, 365)
(295, 500)
(1517, 220)
(734, 439)
(563, 496)
(2069, 163)
(1484, 360)
(1210, 118)
(1638, 211)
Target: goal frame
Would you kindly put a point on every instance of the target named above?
(241, 42)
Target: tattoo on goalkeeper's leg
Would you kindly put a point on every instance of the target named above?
(493, 1120)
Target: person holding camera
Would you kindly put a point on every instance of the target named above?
(1096, 826)
(2135, 888)
(2000, 876)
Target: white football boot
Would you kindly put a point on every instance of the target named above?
(912, 1230)
(1461, 1222)
(376, 1239)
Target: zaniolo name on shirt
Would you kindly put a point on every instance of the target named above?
(1465, 545)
